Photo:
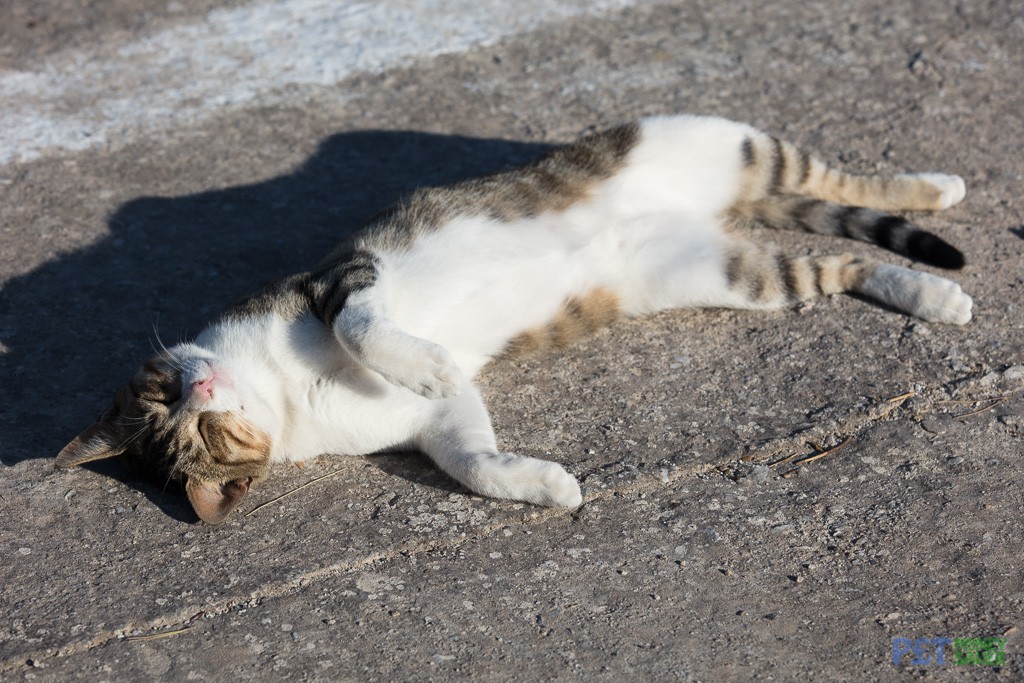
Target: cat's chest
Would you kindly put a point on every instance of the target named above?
(334, 405)
(348, 413)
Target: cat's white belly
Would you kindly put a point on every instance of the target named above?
(478, 284)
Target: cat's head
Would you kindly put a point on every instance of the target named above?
(183, 418)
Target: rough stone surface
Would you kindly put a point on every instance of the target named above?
(705, 549)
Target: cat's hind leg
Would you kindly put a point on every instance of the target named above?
(772, 166)
(460, 440)
(764, 279)
(767, 279)
(743, 275)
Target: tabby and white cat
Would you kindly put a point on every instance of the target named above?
(375, 348)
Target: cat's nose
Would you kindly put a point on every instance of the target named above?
(203, 388)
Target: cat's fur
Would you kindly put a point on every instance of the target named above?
(376, 348)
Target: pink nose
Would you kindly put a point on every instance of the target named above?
(203, 388)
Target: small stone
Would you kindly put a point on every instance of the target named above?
(935, 424)
(24, 551)
(989, 380)
(1015, 372)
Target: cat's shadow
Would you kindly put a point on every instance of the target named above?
(77, 327)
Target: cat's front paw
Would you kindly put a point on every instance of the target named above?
(428, 369)
(557, 488)
(514, 477)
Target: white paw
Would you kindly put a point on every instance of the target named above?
(927, 296)
(951, 188)
(942, 301)
(530, 480)
(425, 368)
(557, 488)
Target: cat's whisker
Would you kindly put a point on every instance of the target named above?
(178, 464)
(127, 442)
(165, 353)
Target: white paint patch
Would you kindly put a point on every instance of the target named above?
(245, 55)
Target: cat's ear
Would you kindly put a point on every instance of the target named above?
(98, 441)
(214, 502)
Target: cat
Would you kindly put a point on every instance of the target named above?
(376, 347)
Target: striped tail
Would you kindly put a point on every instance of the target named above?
(787, 212)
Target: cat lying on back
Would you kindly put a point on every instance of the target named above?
(376, 347)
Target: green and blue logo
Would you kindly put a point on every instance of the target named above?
(989, 651)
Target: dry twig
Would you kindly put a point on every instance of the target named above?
(822, 452)
(902, 397)
(294, 490)
(993, 404)
(156, 636)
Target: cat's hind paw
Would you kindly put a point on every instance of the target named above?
(924, 295)
(945, 302)
(951, 188)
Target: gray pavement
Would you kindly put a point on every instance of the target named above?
(697, 554)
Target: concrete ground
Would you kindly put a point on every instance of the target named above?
(159, 161)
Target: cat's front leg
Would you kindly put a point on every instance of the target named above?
(460, 440)
(404, 360)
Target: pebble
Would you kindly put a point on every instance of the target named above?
(989, 380)
(935, 424)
